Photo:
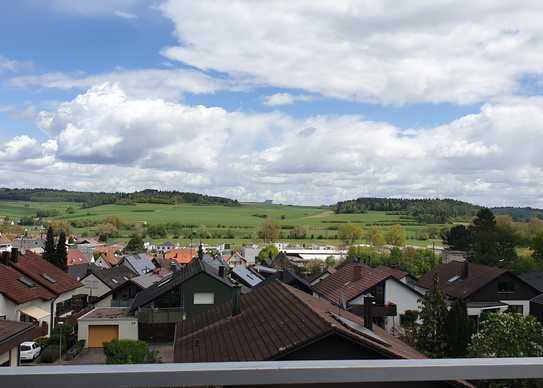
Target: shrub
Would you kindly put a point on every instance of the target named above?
(49, 354)
(129, 352)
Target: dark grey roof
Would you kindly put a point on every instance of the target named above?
(251, 279)
(175, 279)
(485, 304)
(141, 263)
(115, 276)
(79, 271)
(534, 279)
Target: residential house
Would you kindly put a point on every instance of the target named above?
(106, 324)
(188, 291)
(140, 263)
(76, 257)
(292, 278)
(34, 290)
(109, 255)
(78, 271)
(99, 281)
(165, 247)
(245, 276)
(236, 260)
(181, 256)
(351, 283)
(250, 253)
(34, 245)
(5, 244)
(321, 276)
(482, 288)
(535, 279)
(12, 334)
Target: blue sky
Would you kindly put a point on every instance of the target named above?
(309, 104)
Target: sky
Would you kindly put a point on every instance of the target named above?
(300, 102)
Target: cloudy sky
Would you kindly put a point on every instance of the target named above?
(301, 102)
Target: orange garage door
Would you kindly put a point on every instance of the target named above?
(98, 334)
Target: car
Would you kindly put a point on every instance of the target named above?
(29, 351)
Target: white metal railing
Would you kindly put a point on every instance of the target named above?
(271, 372)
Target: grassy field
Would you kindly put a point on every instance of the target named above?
(244, 220)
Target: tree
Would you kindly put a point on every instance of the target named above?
(269, 230)
(508, 335)
(267, 253)
(299, 232)
(396, 236)
(349, 233)
(330, 262)
(61, 254)
(458, 329)
(537, 247)
(135, 244)
(458, 238)
(106, 231)
(431, 335)
(49, 249)
(375, 237)
(483, 231)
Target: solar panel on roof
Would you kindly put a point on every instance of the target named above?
(27, 281)
(49, 278)
(359, 329)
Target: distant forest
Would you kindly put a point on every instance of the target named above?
(88, 199)
(519, 213)
(428, 211)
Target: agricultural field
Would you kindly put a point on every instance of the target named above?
(241, 222)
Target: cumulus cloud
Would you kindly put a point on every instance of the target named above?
(373, 51)
(161, 83)
(285, 99)
(106, 140)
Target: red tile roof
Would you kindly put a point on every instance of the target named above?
(275, 320)
(75, 256)
(110, 253)
(17, 291)
(34, 266)
(344, 284)
(478, 276)
(181, 255)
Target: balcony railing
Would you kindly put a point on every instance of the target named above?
(160, 315)
(272, 373)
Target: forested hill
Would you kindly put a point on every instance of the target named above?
(89, 199)
(430, 211)
(519, 213)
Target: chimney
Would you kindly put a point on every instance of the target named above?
(221, 271)
(465, 269)
(368, 312)
(236, 300)
(5, 258)
(14, 254)
(357, 272)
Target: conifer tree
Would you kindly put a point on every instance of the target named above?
(458, 329)
(431, 335)
(61, 254)
(49, 249)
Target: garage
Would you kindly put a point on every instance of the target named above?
(106, 324)
(98, 334)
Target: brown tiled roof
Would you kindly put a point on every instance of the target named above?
(181, 255)
(109, 253)
(11, 328)
(34, 266)
(478, 276)
(17, 291)
(343, 284)
(75, 256)
(275, 320)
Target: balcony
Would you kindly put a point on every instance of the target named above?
(278, 373)
(160, 315)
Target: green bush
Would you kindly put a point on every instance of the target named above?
(129, 352)
(49, 354)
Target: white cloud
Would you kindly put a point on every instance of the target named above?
(11, 65)
(125, 15)
(153, 83)
(106, 140)
(285, 99)
(94, 7)
(377, 51)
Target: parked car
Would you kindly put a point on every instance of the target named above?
(29, 351)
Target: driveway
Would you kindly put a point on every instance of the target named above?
(164, 350)
(88, 356)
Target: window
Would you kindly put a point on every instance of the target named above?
(27, 281)
(516, 308)
(204, 298)
(506, 286)
(3, 317)
(454, 278)
(49, 278)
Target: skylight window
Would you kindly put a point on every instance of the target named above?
(49, 278)
(114, 281)
(27, 281)
(454, 279)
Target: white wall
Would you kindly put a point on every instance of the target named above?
(42, 304)
(106, 302)
(8, 308)
(98, 287)
(128, 327)
(404, 299)
(524, 303)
